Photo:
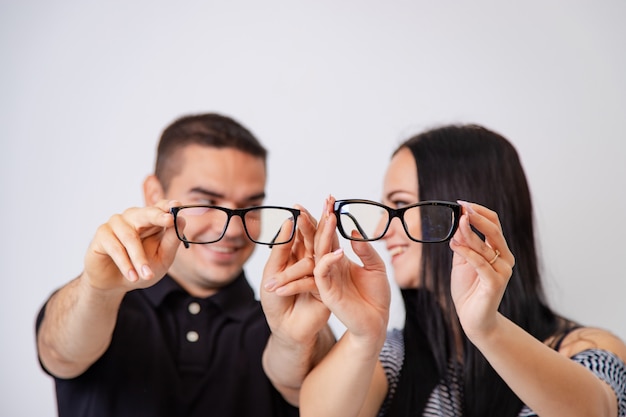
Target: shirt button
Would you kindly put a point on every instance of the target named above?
(194, 308)
(192, 336)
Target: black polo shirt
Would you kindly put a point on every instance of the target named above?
(175, 355)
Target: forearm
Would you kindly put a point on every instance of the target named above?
(287, 364)
(77, 328)
(547, 381)
(348, 382)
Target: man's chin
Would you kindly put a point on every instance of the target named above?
(219, 276)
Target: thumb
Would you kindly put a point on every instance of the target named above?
(279, 255)
(368, 255)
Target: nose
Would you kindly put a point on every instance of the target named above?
(395, 225)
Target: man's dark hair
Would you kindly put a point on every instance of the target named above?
(210, 129)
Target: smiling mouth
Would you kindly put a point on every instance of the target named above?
(223, 249)
(398, 250)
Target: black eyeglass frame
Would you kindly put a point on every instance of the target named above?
(230, 213)
(399, 213)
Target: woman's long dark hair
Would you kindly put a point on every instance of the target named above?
(471, 163)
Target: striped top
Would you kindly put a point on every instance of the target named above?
(447, 400)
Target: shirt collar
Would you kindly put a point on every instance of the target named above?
(234, 299)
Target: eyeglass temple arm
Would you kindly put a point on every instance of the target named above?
(356, 224)
(272, 244)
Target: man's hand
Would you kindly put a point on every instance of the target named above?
(297, 318)
(132, 250)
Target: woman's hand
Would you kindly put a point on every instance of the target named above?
(359, 296)
(480, 269)
(349, 381)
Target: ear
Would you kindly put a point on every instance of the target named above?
(152, 190)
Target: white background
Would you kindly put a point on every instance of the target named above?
(331, 87)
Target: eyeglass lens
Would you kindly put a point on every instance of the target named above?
(424, 223)
(262, 224)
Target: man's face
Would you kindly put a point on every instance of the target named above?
(223, 177)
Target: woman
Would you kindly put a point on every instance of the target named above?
(468, 348)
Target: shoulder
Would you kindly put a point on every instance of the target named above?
(586, 338)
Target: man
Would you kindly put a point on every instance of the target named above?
(153, 327)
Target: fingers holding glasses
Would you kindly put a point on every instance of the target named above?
(492, 252)
(289, 269)
(481, 269)
(305, 234)
(312, 242)
(278, 260)
(132, 244)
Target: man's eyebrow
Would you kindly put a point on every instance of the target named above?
(203, 191)
(259, 196)
(209, 193)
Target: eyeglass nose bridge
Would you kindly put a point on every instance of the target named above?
(241, 213)
(395, 214)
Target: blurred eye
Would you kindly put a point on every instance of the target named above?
(254, 203)
(204, 201)
(398, 204)
(193, 211)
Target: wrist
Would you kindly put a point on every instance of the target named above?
(488, 335)
(299, 357)
(368, 346)
(308, 347)
(93, 294)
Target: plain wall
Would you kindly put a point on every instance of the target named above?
(331, 87)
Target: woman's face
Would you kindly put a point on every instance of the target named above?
(399, 190)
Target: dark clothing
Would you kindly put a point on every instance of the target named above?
(175, 355)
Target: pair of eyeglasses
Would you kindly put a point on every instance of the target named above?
(263, 224)
(425, 222)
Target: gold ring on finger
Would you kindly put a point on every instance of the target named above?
(494, 257)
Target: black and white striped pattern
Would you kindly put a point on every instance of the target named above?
(447, 400)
